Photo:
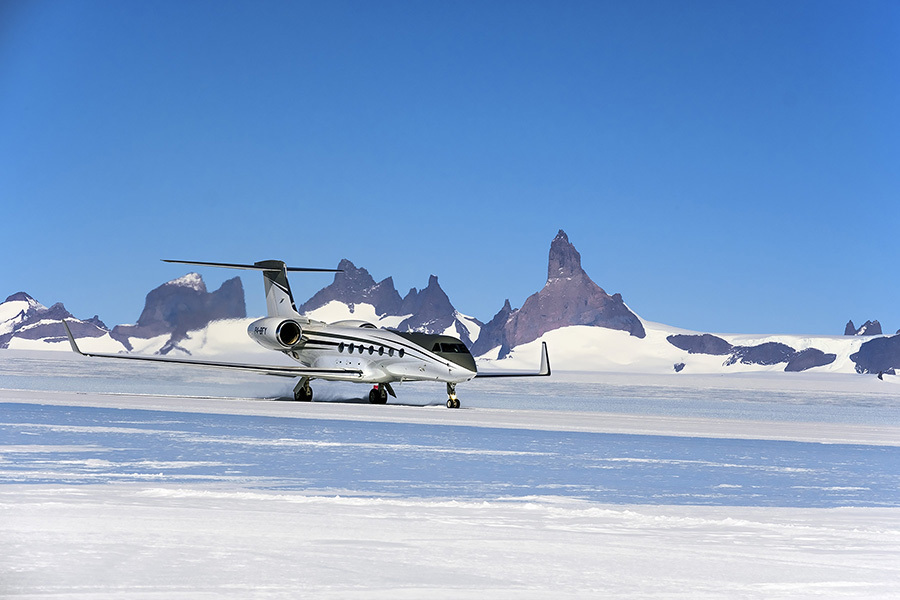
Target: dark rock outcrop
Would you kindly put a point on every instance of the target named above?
(568, 298)
(700, 344)
(808, 359)
(355, 286)
(770, 353)
(870, 328)
(183, 305)
(867, 328)
(493, 333)
(431, 312)
(879, 355)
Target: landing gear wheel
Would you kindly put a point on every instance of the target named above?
(303, 392)
(452, 401)
(378, 395)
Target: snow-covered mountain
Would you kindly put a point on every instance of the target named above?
(179, 306)
(25, 323)
(172, 312)
(584, 327)
(354, 295)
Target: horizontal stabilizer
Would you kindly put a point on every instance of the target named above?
(265, 265)
(544, 370)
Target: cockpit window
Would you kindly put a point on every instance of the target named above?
(453, 348)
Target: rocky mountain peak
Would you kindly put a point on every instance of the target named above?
(432, 299)
(352, 278)
(565, 261)
(191, 281)
(870, 328)
(23, 317)
(431, 311)
(354, 285)
(867, 328)
(569, 298)
(21, 297)
(183, 305)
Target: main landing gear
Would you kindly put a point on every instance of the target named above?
(378, 394)
(452, 401)
(302, 391)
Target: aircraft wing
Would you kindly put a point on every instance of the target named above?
(280, 371)
(544, 371)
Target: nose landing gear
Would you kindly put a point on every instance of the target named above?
(452, 401)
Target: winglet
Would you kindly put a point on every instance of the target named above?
(543, 372)
(72, 339)
(545, 361)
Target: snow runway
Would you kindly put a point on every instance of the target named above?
(117, 494)
(80, 444)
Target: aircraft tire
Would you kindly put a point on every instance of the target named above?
(378, 396)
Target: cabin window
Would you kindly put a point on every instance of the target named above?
(361, 348)
(352, 348)
(380, 350)
(341, 347)
(371, 350)
(402, 352)
(390, 351)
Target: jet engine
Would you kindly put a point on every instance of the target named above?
(276, 333)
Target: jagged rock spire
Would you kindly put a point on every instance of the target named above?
(354, 285)
(565, 261)
(569, 298)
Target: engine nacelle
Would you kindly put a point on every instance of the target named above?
(276, 333)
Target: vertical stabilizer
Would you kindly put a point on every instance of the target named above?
(279, 300)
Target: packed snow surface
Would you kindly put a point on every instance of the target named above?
(122, 480)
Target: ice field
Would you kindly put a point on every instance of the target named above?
(147, 481)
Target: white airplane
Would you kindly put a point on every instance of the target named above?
(344, 350)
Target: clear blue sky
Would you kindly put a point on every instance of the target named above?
(726, 166)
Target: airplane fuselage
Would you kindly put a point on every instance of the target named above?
(381, 355)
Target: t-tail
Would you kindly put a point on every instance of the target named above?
(279, 299)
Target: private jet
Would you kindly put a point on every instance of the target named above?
(348, 350)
